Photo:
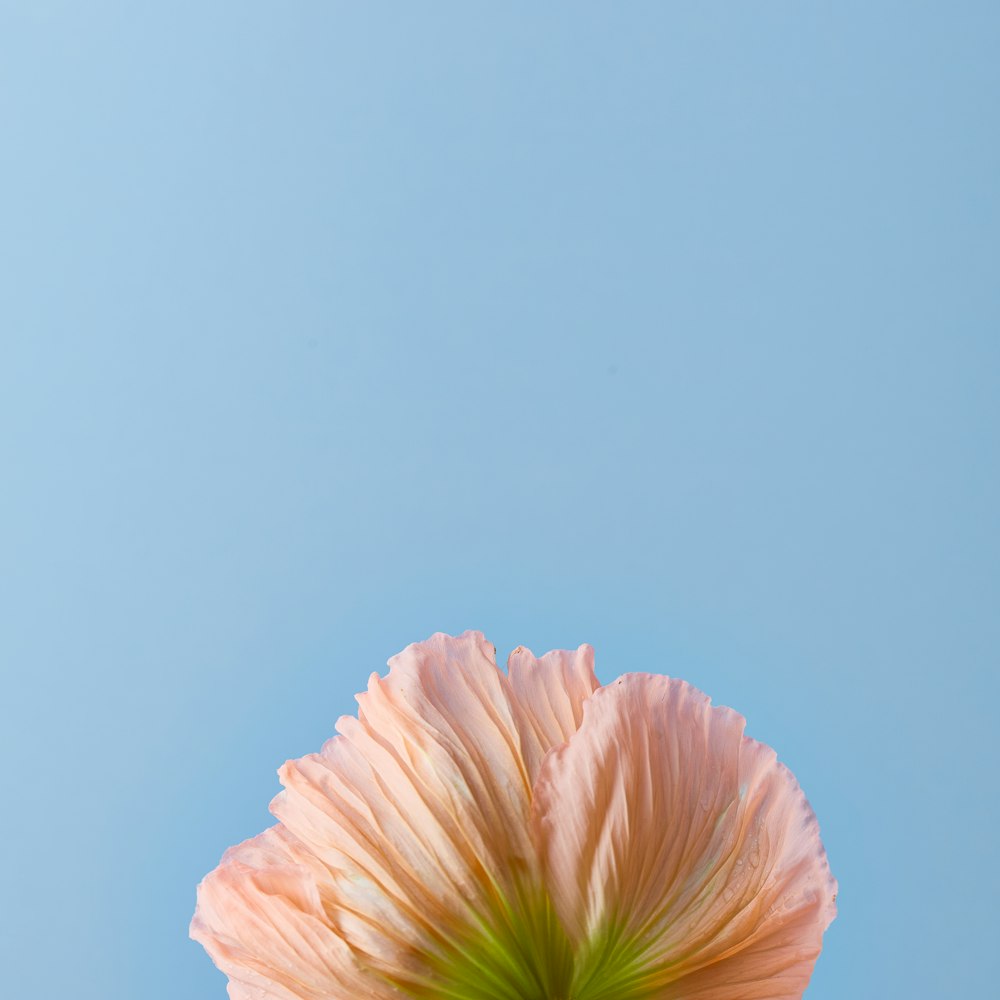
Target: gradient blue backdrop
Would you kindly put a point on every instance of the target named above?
(670, 327)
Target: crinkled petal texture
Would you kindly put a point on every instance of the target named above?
(681, 857)
(403, 863)
(475, 835)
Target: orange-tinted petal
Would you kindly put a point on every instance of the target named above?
(682, 858)
(420, 808)
(261, 917)
(551, 691)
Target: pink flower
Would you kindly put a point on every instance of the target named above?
(475, 835)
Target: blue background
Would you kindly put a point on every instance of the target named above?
(670, 327)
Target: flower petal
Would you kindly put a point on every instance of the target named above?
(551, 692)
(261, 918)
(683, 860)
(420, 812)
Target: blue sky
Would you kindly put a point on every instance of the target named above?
(672, 328)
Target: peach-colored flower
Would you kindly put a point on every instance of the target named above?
(475, 835)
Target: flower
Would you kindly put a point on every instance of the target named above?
(475, 835)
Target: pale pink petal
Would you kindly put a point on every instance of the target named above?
(551, 691)
(261, 918)
(661, 819)
(419, 810)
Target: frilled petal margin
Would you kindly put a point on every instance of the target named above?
(407, 839)
(475, 835)
(681, 857)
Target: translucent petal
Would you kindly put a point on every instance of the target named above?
(417, 854)
(551, 691)
(679, 854)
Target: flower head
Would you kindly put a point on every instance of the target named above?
(475, 835)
